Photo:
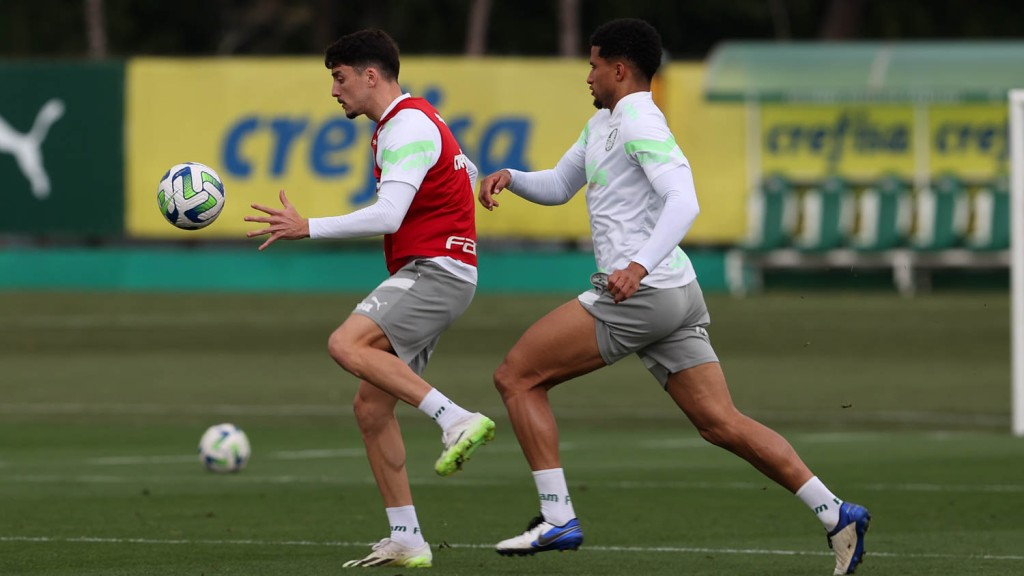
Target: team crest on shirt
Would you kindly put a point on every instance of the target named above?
(611, 140)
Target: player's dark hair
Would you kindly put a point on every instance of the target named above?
(371, 48)
(632, 40)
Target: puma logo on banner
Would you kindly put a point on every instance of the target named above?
(27, 148)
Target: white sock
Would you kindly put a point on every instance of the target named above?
(405, 528)
(441, 409)
(822, 501)
(555, 504)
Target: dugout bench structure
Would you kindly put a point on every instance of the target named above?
(836, 224)
(912, 212)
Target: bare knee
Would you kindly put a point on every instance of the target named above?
(345, 353)
(724, 430)
(371, 416)
(503, 379)
(715, 434)
(509, 381)
(702, 394)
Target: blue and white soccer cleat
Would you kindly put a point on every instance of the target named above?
(541, 536)
(847, 539)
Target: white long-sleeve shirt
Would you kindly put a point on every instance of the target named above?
(640, 193)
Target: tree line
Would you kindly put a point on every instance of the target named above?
(690, 29)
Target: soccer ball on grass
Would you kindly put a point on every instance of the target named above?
(224, 448)
(190, 195)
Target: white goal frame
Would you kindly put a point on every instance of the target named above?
(1016, 98)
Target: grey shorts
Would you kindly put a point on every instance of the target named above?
(665, 327)
(414, 306)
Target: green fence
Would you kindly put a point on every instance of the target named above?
(291, 269)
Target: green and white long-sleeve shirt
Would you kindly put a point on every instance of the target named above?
(639, 190)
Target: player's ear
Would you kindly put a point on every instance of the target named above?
(372, 76)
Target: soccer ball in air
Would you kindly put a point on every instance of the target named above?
(224, 448)
(190, 195)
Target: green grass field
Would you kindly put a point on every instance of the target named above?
(900, 405)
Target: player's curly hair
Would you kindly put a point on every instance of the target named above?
(631, 39)
(365, 49)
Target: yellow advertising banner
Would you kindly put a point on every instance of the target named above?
(713, 138)
(862, 142)
(271, 124)
(970, 140)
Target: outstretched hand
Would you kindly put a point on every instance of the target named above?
(285, 223)
(491, 186)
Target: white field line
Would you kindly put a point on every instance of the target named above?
(807, 438)
(316, 454)
(311, 454)
(638, 549)
(140, 320)
(248, 478)
(329, 453)
(76, 408)
(18, 323)
(345, 410)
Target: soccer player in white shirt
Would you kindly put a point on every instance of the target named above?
(646, 299)
(425, 211)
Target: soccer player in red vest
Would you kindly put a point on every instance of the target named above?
(425, 210)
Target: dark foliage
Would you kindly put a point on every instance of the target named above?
(56, 28)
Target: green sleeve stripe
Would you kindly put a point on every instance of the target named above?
(654, 151)
(666, 146)
(653, 158)
(411, 149)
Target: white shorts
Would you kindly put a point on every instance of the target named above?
(665, 327)
(414, 306)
